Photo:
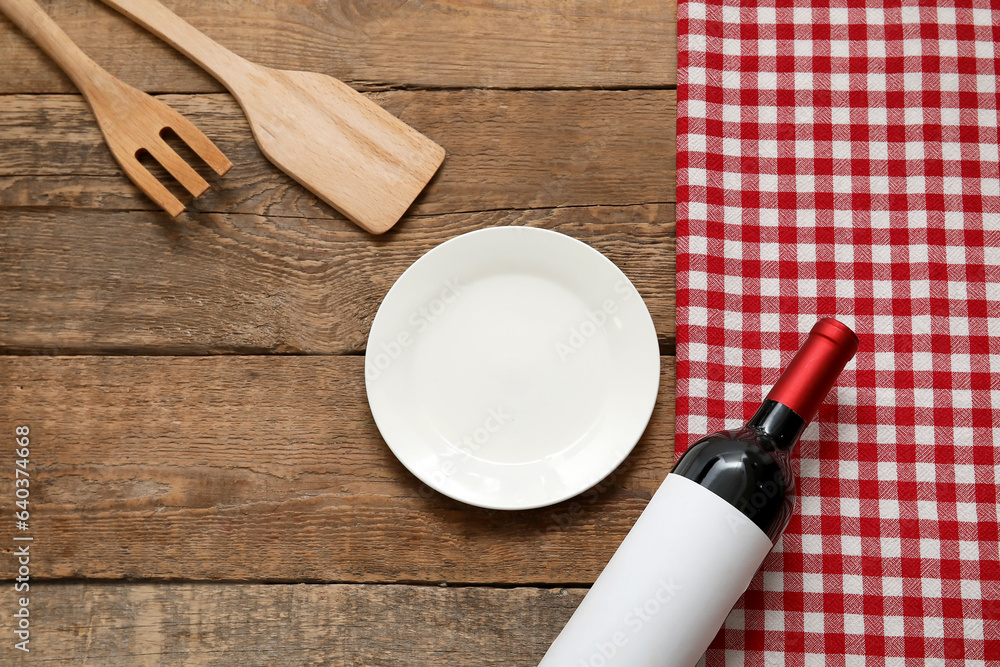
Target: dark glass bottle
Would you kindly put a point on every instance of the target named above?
(668, 589)
(749, 467)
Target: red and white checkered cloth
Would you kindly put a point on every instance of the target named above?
(843, 161)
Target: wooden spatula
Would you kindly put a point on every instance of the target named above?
(131, 120)
(349, 151)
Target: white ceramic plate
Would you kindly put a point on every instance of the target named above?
(512, 367)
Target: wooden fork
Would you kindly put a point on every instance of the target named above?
(349, 151)
(131, 120)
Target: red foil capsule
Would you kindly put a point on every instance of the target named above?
(815, 367)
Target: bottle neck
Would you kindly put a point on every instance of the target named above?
(778, 423)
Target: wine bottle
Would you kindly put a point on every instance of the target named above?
(693, 551)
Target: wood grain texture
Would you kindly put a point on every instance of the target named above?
(130, 120)
(506, 149)
(427, 43)
(221, 625)
(191, 471)
(113, 282)
(337, 143)
(270, 468)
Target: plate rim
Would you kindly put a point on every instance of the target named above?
(627, 449)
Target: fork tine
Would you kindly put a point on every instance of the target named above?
(177, 167)
(201, 145)
(152, 188)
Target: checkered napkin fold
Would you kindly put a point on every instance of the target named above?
(842, 160)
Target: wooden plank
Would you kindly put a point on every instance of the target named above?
(231, 624)
(431, 43)
(270, 468)
(113, 282)
(506, 149)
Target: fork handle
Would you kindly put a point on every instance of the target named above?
(43, 31)
(214, 58)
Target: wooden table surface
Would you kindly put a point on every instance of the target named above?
(207, 483)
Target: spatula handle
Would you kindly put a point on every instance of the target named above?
(43, 31)
(214, 58)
